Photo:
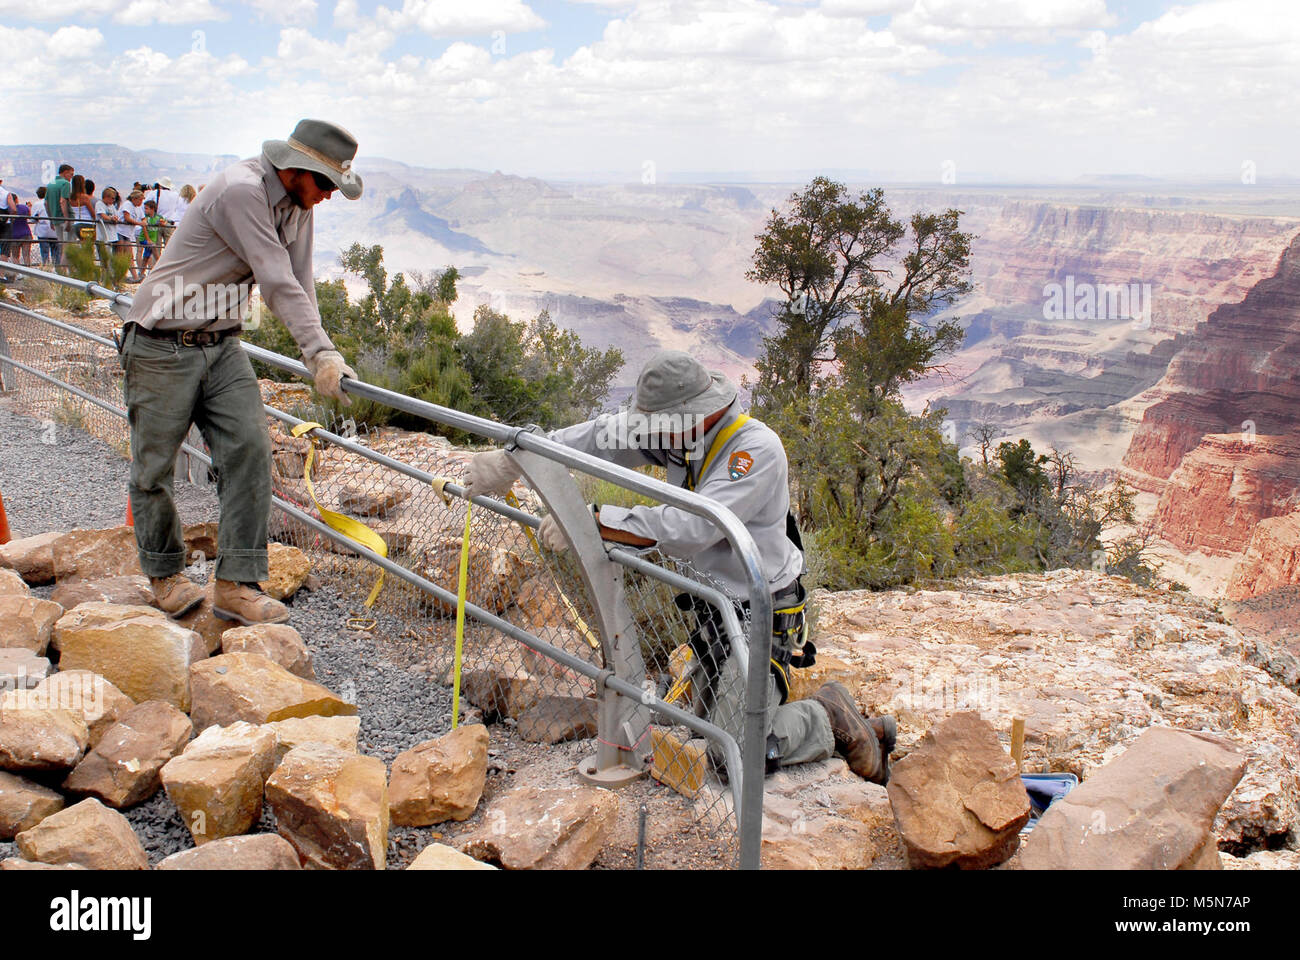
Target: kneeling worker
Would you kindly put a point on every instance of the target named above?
(699, 434)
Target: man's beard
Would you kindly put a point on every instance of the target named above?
(295, 194)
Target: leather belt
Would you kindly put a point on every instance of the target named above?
(190, 338)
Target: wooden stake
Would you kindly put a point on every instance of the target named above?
(1018, 742)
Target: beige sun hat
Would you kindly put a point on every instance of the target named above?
(674, 382)
(320, 147)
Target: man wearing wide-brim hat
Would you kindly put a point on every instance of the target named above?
(688, 420)
(184, 364)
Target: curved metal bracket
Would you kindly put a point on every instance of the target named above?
(623, 723)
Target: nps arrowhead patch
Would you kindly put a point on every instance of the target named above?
(739, 464)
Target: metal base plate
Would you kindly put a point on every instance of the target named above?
(611, 777)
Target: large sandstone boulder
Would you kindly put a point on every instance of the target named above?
(17, 863)
(147, 657)
(24, 804)
(21, 669)
(36, 739)
(439, 856)
(217, 782)
(332, 806)
(111, 552)
(500, 690)
(440, 779)
(275, 641)
(372, 499)
(87, 833)
(1153, 808)
(122, 770)
(288, 570)
(248, 686)
(12, 585)
(125, 591)
(98, 613)
(544, 828)
(88, 695)
(262, 851)
(32, 558)
(94, 554)
(341, 732)
(27, 622)
(204, 621)
(557, 719)
(957, 797)
(495, 572)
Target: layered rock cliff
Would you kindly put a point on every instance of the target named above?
(1236, 374)
(1071, 379)
(1220, 444)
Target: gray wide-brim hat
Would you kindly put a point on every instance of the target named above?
(320, 147)
(674, 382)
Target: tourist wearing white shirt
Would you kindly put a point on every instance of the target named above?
(132, 214)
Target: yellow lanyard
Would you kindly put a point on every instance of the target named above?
(718, 443)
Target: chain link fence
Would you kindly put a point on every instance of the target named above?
(641, 668)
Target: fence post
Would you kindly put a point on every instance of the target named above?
(623, 723)
(4, 352)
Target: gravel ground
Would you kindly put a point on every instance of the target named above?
(46, 486)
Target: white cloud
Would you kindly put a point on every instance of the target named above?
(346, 15)
(449, 18)
(287, 12)
(724, 85)
(864, 8)
(131, 12)
(140, 13)
(74, 43)
(988, 21)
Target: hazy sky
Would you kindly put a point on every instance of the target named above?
(1040, 90)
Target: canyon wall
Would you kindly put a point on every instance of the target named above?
(1220, 442)
(1081, 382)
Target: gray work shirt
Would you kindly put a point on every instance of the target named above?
(242, 228)
(749, 475)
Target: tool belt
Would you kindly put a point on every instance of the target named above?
(791, 647)
(190, 338)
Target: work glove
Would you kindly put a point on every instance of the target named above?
(328, 369)
(491, 474)
(550, 535)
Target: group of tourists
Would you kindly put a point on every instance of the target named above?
(69, 210)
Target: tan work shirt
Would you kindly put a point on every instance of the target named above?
(242, 228)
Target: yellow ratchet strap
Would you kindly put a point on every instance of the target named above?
(350, 528)
(462, 587)
(568, 604)
(718, 443)
(462, 584)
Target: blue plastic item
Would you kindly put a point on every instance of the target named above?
(1045, 789)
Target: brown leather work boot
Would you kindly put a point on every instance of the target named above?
(246, 604)
(177, 595)
(864, 744)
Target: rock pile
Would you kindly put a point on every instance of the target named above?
(117, 722)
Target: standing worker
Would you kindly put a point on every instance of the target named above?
(184, 363)
(687, 420)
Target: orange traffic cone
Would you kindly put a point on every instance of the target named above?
(130, 520)
(4, 523)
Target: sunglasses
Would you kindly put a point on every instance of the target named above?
(323, 183)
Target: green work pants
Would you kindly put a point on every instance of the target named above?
(168, 388)
(801, 727)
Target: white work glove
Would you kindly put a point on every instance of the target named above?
(491, 474)
(550, 535)
(328, 369)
